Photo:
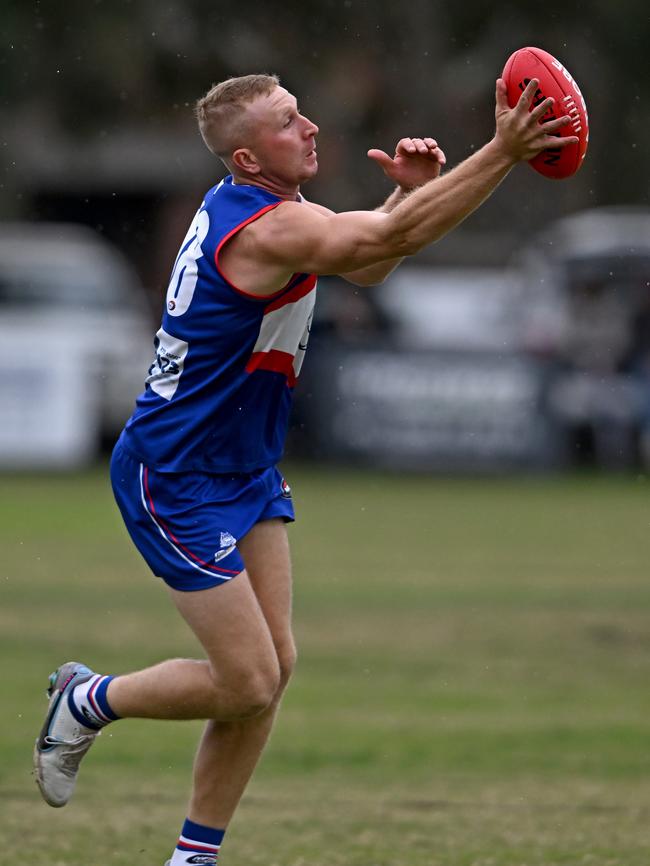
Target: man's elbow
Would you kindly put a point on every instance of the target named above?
(402, 244)
(403, 239)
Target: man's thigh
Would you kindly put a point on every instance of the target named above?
(244, 625)
(265, 550)
(229, 623)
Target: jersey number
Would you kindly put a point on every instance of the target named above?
(185, 272)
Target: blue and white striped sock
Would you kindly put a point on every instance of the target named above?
(89, 705)
(197, 845)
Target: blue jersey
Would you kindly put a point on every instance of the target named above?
(218, 395)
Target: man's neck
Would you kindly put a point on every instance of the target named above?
(280, 190)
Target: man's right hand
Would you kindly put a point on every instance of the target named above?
(520, 134)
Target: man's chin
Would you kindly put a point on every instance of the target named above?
(310, 170)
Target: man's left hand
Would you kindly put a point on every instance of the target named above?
(416, 161)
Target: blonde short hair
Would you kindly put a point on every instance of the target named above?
(221, 115)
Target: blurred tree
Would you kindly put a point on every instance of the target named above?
(368, 72)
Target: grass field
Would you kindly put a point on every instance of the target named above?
(473, 686)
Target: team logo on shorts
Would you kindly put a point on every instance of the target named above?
(286, 490)
(227, 544)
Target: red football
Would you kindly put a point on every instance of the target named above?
(554, 80)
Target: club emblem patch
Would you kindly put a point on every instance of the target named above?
(227, 544)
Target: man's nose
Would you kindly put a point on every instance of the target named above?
(311, 128)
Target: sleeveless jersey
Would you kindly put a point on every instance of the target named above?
(218, 395)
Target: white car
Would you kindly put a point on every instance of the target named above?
(75, 332)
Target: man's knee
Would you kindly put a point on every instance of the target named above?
(251, 691)
(247, 690)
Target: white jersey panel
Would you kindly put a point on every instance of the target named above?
(166, 370)
(287, 328)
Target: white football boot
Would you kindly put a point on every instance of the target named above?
(63, 741)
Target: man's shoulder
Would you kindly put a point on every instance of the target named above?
(319, 208)
(282, 227)
(231, 207)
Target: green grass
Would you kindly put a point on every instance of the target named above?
(472, 690)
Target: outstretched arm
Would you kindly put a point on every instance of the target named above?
(292, 238)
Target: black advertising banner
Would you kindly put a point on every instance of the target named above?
(430, 410)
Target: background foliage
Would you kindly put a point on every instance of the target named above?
(367, 72)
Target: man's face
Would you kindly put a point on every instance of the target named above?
(283, 140)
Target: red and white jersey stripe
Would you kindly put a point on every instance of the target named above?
(284, 332)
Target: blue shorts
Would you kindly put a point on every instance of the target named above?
(187, 525)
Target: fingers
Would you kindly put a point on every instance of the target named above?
(380, 157)
(440, 156)
(501, 95)
(435, 151)
(414, 145)
(427, 147)
(553, 141)
(527, 95)
(554, 125)
(540, 110)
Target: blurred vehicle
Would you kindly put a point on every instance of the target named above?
(473, 309)
(75, 329)
(592, 272)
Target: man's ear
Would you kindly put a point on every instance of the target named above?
(245, 160)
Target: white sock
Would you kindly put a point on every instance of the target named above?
(89, 700)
